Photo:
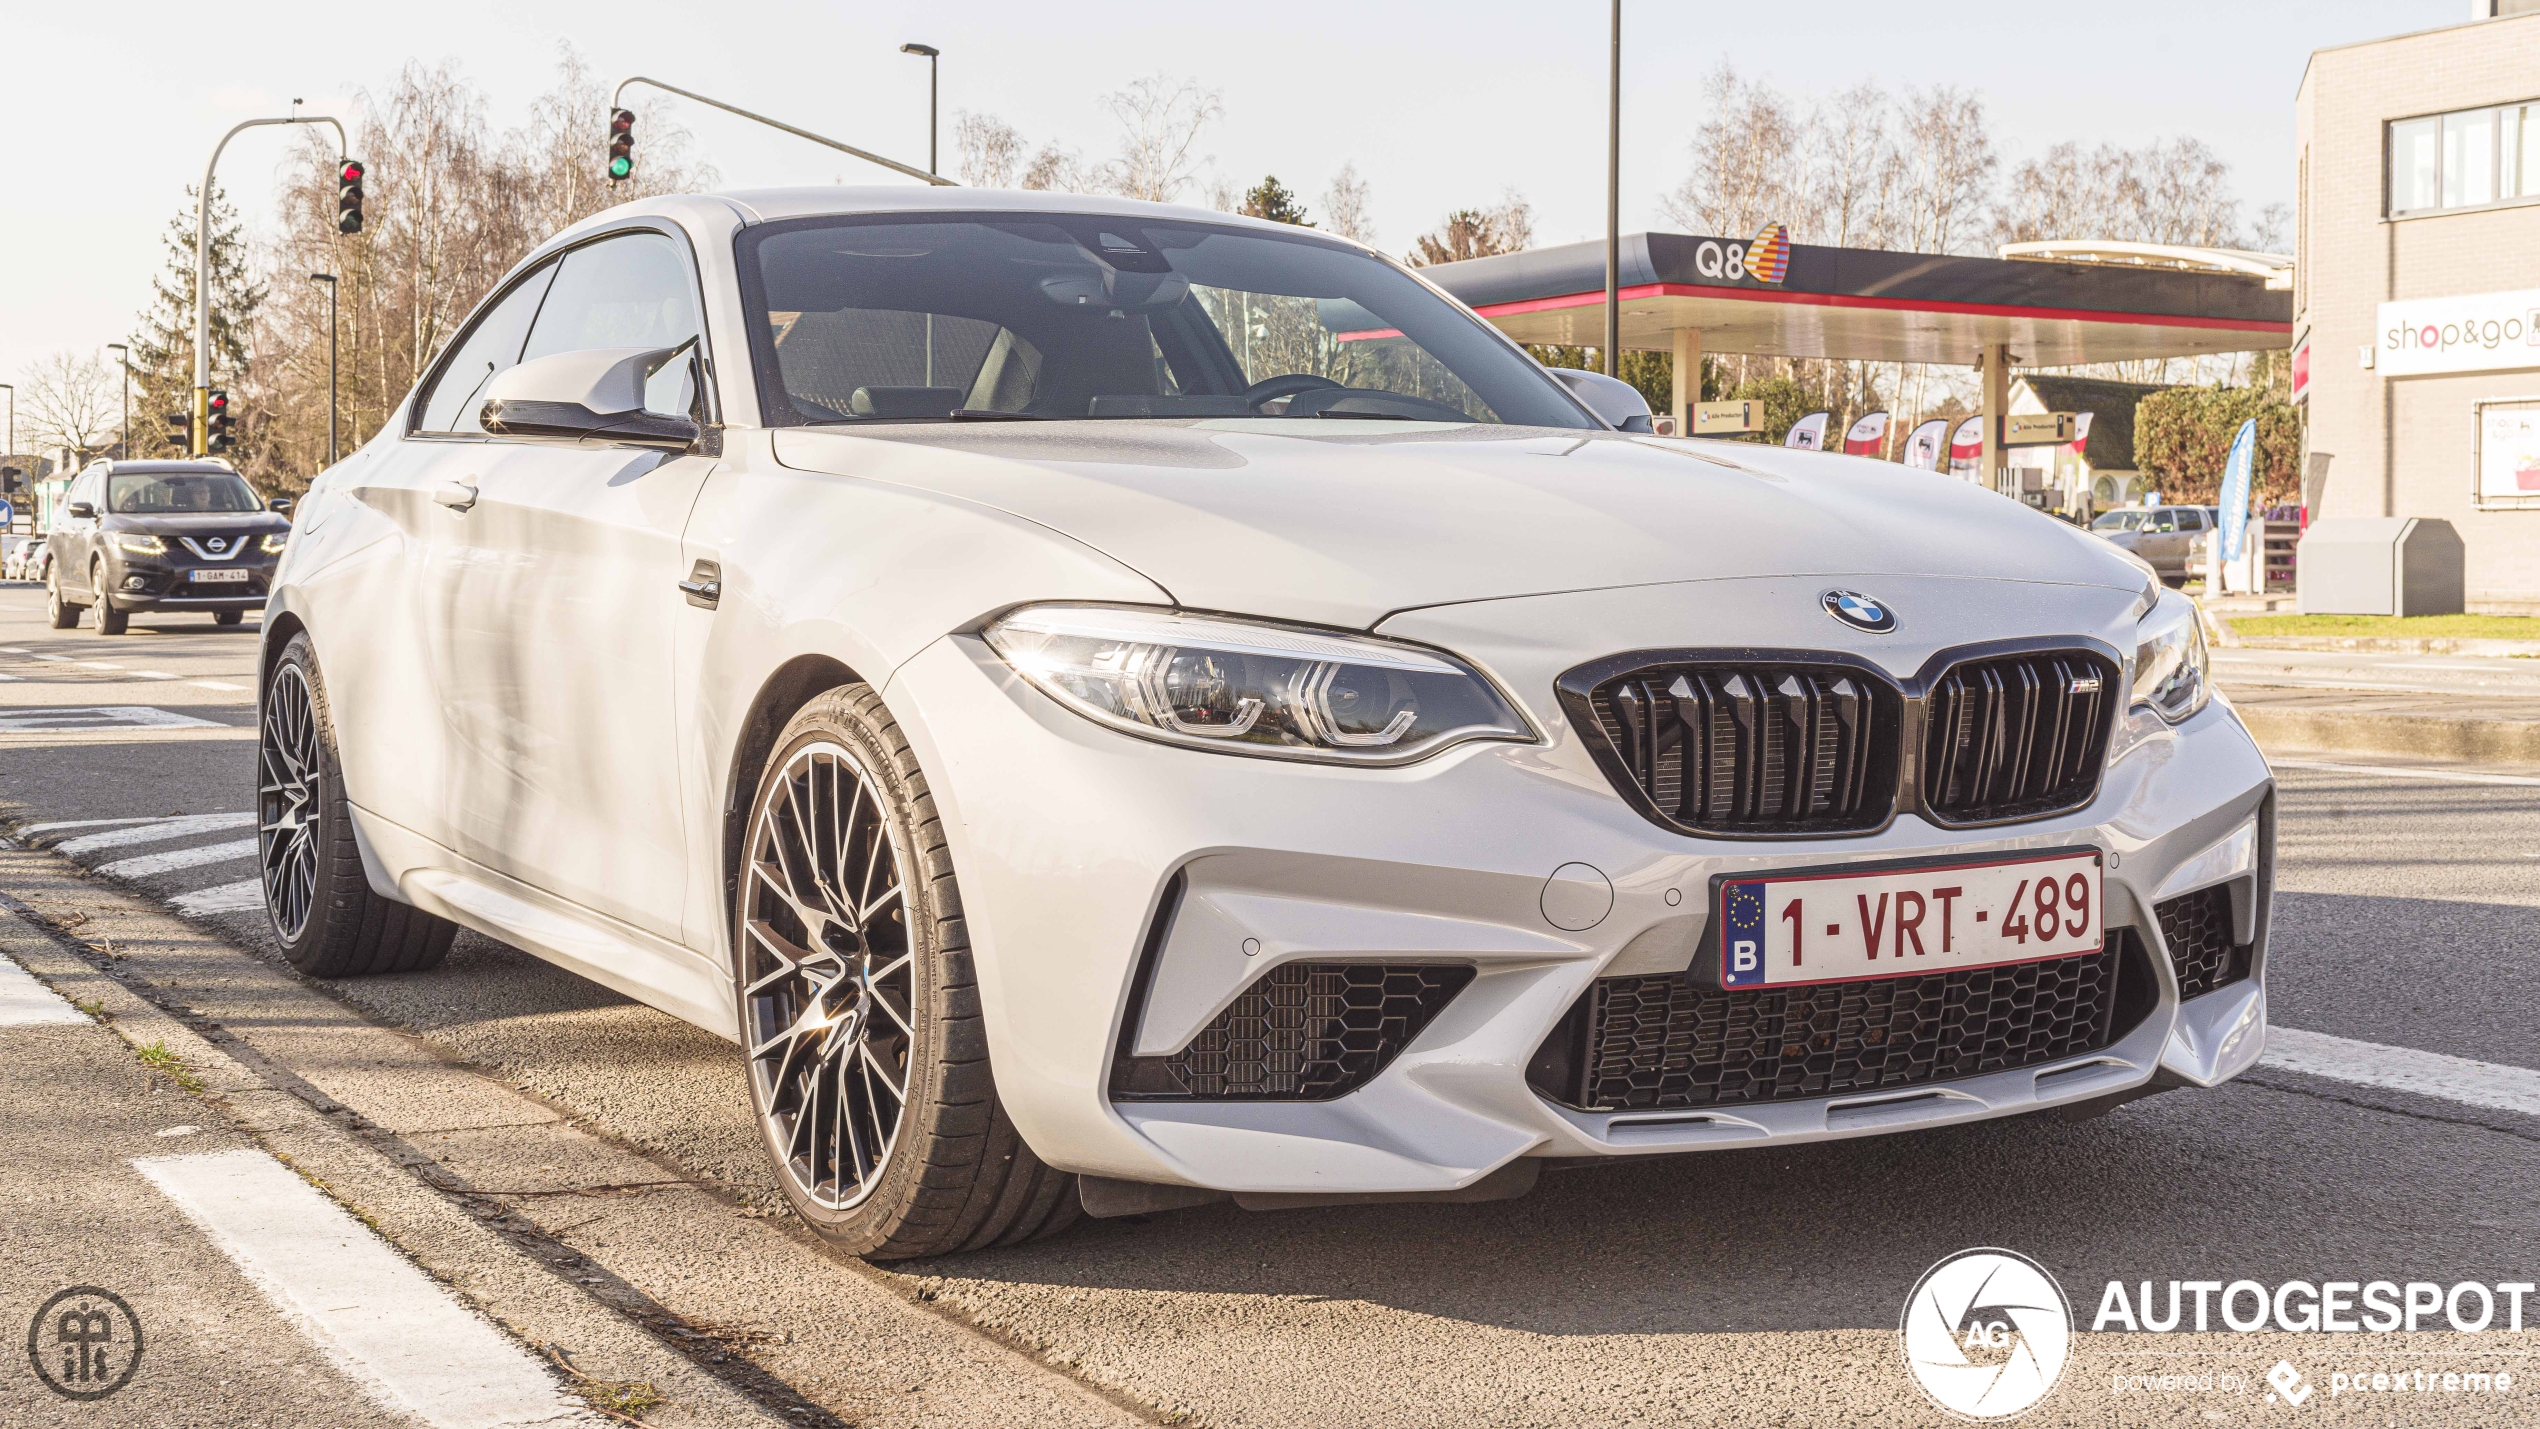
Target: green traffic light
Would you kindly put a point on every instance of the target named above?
(620, 167)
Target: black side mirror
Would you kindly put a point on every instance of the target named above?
(81, 510)
(279, 505)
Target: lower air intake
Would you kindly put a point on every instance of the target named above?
(1302, 1032)
(1636, 1043)
(2197, 926)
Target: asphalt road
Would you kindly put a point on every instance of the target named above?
(1736, 1287)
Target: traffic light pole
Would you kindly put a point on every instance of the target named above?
(200, 432)
(617, 101)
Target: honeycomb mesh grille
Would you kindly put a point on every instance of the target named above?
(2017, 736)
(1754, 749)
(1663, 1042)
(2197, 927)
(1302, 1032)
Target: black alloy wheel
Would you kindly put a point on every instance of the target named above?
(110, 621)
(60, 613)
(867, 1058)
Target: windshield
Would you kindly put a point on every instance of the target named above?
(2118, 521)
(901, 319)
(177, 493)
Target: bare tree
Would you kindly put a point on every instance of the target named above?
(1945, 164)
(1345, 206)
(1741, 178)
(991, 150)
(1161, 120)
(68, 400)
(1477, 233)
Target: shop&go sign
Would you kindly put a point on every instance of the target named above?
(2482, 332)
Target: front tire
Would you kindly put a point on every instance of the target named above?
(868, 1061)
(322, 908)
(61, 613)
(228, 617)
(110, 621)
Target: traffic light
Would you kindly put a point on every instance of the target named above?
(216, 433)
(348, 196)
(181, 431)
(621, 144)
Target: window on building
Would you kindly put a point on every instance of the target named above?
(2466, 159)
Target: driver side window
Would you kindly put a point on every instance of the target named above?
(492, 345)
(634, 290)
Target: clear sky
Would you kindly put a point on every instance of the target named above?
(109, 109)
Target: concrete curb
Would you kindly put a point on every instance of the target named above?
(2403, 736)
(2388, 644)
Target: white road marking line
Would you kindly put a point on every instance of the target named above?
(147, 864)
(80, 824)
(12, 677)
(153, 675)
(239, 897)
(65, 659)
(99, 717)
(24, 1002)
(12, 650)
(2394, 771)
(100, 665)
(381, 1320)
(220, 685)
(2404, 1069)
(153, 830)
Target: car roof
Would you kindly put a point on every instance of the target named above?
(755, 206)
(146, 467)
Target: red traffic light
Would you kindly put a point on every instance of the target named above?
(353, 171)
(219, 402)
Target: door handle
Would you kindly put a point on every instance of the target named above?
(457, 495)
(704, 585)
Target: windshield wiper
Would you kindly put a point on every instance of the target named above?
(1370, 416)
(986, 414)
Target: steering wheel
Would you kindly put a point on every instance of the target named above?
(1271, 389)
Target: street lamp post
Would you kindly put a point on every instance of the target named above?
(933, 55)
(329, 280)
(1614, 201)
(201, 425)
(123, 391)
(13, 442)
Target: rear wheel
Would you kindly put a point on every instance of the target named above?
(868, 1064)
(61, 613)
(323, 910)
(110, 621)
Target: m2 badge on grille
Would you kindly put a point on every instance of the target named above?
(1887, 921)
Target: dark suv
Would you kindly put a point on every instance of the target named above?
(161, 536)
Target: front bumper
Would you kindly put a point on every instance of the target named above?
(1071, 841)
(168, 585)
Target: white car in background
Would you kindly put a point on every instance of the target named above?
(1116, 706)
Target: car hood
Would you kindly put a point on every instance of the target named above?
(1347, 522)
(205, 523)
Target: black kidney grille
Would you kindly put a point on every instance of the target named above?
(2016, 736)
(2197, 927)
(1654, 1043)
(1301, 1032)
(1755, 749)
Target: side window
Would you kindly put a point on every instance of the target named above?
(635, 290)
(2191, 520)
(489, 347)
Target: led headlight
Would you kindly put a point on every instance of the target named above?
(273, 544)
(142, 545)
(1253, 688)
(2169, 659)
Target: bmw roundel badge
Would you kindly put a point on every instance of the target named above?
(1859, 611)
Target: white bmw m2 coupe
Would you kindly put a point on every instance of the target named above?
(1114, 706)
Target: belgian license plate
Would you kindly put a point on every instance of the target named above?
(208, 576)
(1895, 922)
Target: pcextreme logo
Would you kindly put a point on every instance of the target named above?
(1986, 1333)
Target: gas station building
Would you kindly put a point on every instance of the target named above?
(2057, 305)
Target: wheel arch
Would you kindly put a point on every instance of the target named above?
(788, 688)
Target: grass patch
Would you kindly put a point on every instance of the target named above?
(159, 1059)
(2442, 627)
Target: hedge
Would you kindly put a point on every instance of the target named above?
(2183, 436)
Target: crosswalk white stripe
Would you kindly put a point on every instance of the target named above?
(56, 824)
(403, 1337)
(147, 864)
(237, 897)
(2404, 1069)
(24, 1002)
(174, 827)
(219, 685)
(2395, 771)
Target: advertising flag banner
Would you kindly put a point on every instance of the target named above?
(2081, 432)
(1966, 448)
(2235, 488)
(1923, 445)
(1868, 436)
(1808, 434)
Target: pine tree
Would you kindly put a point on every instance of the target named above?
(163, 339)
(1271, 199)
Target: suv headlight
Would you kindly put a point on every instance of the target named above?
(142, 545)
(1241, 686)
(2169, 659)
(273, 544)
